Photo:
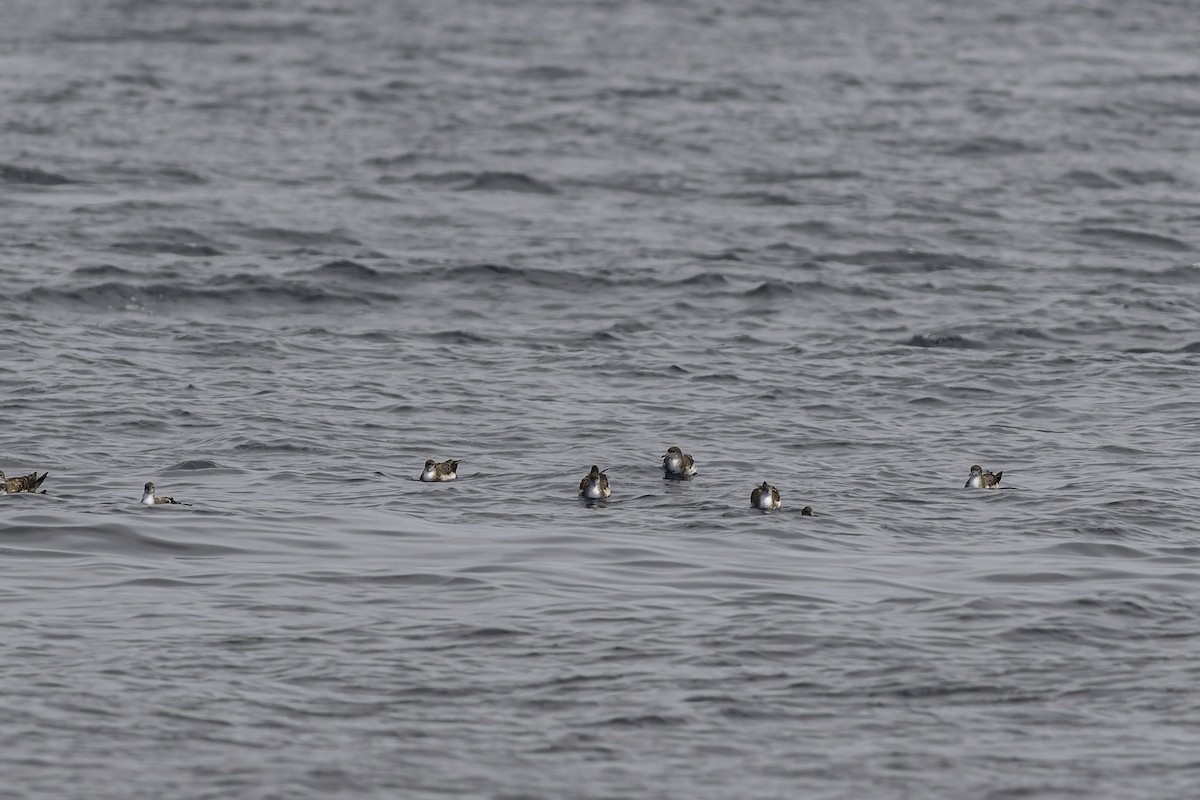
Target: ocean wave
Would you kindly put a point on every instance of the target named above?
(1134, 238)
(704, 280)
(552, 72)
(786, 176)
(56, 533)
(13, 173)
(487, 274)
(722, 255)
(151, 247)
(771, 289)
(990, 147)
(1089, 180)
(764, 198)
(342, 269)
(517, 182)
(459, 337)
(264, 446)
(194, 464)
(297, 238)
(949, 340)
(889, 262)
(224, 291)
(101, 271)
(1143, 177)
(398, 160)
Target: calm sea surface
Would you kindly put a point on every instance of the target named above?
(274, 255)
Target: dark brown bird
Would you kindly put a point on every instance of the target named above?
(149, 499)
(445, 471)
(22, 483)
(594, 485)
(677, 464)
(979, 479)
(765, 497)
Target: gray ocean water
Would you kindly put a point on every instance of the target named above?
(274, 255)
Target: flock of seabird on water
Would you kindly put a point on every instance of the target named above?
(676, 464)
(679, 465)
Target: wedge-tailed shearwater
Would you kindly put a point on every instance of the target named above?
(148, 498)
(982, 480)
(22, 483)
(677, 464)
(445, 471)
(594, 485)
(765, 497)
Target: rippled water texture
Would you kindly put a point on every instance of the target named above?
(274, 255)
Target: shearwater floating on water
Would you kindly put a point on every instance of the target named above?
(594, 485)
(677, 464)
(445, 471)
(765, 497)
(22, 483)
(149, 498)
(982, 480)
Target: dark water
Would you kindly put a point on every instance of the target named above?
(274, 255)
